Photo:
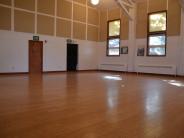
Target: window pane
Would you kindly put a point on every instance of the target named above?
(114, 28)
(113, 46)
(157, 40)
(114, 52)
(157, 51)
(114, 43)
(157, 22)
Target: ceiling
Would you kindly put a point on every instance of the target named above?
(108, 4)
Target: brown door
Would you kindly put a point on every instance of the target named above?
(35, 56)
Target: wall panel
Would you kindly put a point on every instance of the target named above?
(63, 28)
(5, 18)
(174, 18)
(79, 31)
(6, 2)
(157, 5)
(93, 17)
(46, 6)
(25, 4)
(64, 9)
(81, 1)
(26, 25)
(45, 25)
(124, 27)
(114, 14)
(103, 25)
(141, 26)
(79, 13)
(92, 33)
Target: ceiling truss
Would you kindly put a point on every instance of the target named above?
(126, 5)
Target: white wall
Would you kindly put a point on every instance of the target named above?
(88, 55)
(14, 53)
(103, 59)
(54, 53)
(170, 60)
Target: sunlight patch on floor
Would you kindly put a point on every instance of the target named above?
(113, 77)
(175, 83)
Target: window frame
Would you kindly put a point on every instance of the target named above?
(156, 33)
(113, 37)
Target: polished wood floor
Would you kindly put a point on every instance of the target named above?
(91, 105)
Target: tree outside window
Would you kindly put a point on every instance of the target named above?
(157, 28)
(113, 39)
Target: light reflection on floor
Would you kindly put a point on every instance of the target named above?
(153, 112)
(112, 97)
(152, 104)
(113, 77)
(112, 102)
(175, 83)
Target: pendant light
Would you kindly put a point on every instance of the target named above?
(94, 2)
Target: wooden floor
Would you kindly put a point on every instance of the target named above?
(91, 105)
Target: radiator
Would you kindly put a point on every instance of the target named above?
(113, 66)
(158, 69)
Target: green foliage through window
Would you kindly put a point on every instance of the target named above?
(157, 22)
(114, 28)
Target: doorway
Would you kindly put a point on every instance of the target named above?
(72, 57)
(35, 56)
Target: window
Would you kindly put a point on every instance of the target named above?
(113, 39)
(157, 30)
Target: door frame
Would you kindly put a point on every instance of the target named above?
(41, 42)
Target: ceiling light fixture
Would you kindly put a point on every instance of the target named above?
(94, 2)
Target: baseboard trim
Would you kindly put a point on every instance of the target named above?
(90, 70)
(93, 70)
(114, 71)
(65, 71)
(141, 73)
(46, 72)
(180, 76)
(14, 73)
(156, 74)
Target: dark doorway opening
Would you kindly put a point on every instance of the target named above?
(72, 57)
